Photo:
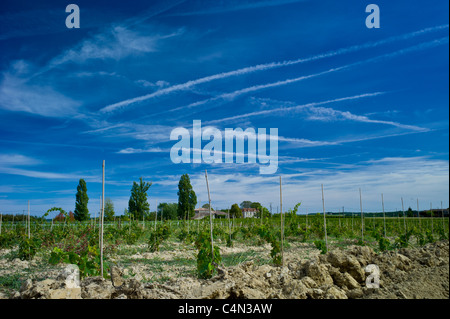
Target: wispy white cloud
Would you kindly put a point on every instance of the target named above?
(151, 133)
(131, 150)
(38, 174)
(117, 43)
(17, 160)
(19, 96)
(211, 7)
(329, 114)
(9, 164)
(158, 84)
(289, 107)
(267, 66)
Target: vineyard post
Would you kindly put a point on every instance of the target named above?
(404, 217)
(99, 221)
(102, 217)
(210, 216)
(418, 214)
(339, 217)
(156, 213)
(1, 217)
(324, 219)
(431, 215)
(229, 223)
(29, 232)
(442, 213)
(362, 215)
(384, 215)
(282, 228)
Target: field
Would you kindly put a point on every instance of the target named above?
(173, 259)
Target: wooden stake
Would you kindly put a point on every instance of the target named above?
(362, 215)
(324, 219)
(431, 215)
(418, 214)
(29, 231)
(384, 215)
(156, 214)
(404, 217)
(210, 216)
(102, 218)
(282, 228)
(229, 223)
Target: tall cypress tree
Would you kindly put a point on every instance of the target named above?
(138, 205)
(186, 197)
(81, 208)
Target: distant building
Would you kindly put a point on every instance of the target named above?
(249, 212)
(204, 212)
(60, 217)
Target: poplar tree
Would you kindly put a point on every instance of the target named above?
(138, 205)
(81, 208)
(186, 197)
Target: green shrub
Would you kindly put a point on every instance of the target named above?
(28, 248)
(88, 261)
(207, 260)
(7, 240)
(161, 233)
(383, 243)
(321, 245)
(403, 240)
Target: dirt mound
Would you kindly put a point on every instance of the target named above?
(407, 273)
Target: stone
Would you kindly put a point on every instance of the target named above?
(319, 273)
(116, 276)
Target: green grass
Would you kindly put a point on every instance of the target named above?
(11, 281)
(234, 259)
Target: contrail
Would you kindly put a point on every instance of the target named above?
(292, 108)
(262, 67)
(331, 113)
(232, 95)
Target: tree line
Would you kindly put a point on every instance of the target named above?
(139, 208)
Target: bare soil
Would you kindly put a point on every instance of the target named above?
(411, 273)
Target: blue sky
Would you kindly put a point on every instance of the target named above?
(354, 107)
